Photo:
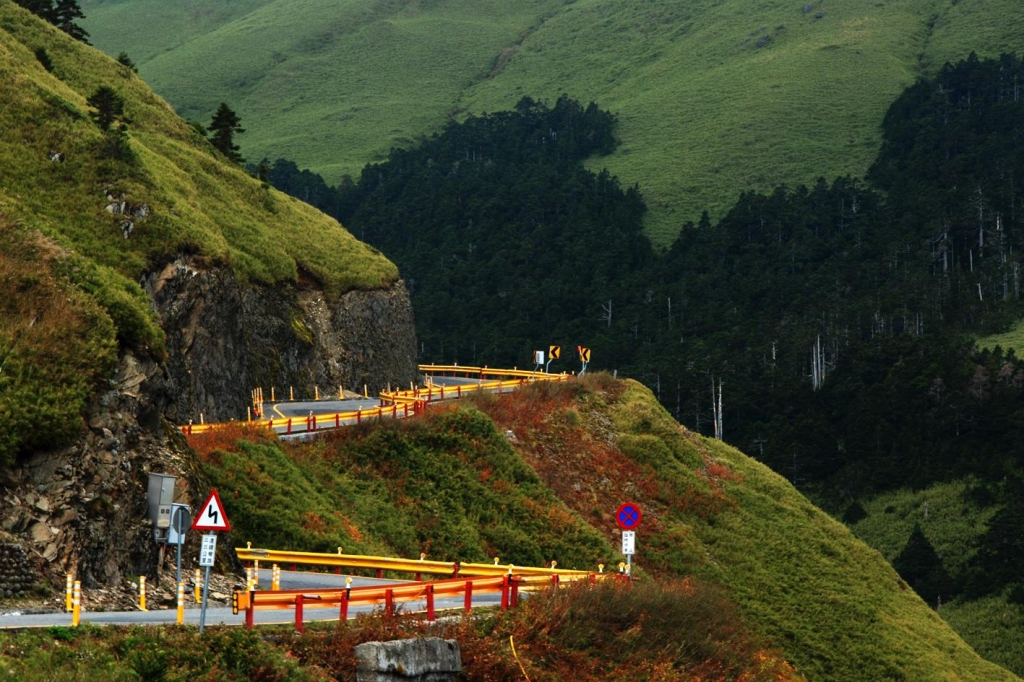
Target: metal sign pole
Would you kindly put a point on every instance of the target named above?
(176, 522)
(206, 557)
(206, 600)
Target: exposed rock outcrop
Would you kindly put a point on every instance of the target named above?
(82, 509)
(225, 338)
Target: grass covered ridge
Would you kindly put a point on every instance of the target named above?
(713, 96)
(197, 203)
(537, 475)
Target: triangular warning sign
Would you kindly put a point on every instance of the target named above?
(211, 515)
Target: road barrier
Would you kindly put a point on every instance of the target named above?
(397, 404)
(388, 596)
(416, 567)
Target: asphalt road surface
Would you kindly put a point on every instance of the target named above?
(220, 615)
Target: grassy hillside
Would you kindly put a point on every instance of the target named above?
(457, 485)
(86, 213)
(714, 96)
(954, 521)
(197, 202)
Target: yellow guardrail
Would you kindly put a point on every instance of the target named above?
(396, 404)
(389, 595)
(397, 565)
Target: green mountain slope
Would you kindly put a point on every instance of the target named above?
(713, 96)
(87, 213)
(537, 476)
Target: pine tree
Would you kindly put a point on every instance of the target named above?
(920, 565)
(223, 127)
(63, 17)
(108, 106)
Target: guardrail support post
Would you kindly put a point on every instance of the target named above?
(380, 574)
(431, 616)
(389, 603)
(514, 597)
(181, 603)
(76, 604)
(299, 602)
(250, 611)
(469, 597)
(504, 593)
(343, 616)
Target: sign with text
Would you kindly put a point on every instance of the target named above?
(628, 542)
(207, 551)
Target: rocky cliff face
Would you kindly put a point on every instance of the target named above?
(225, 338)
(82, 509)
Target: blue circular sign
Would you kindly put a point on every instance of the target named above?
(628, 516)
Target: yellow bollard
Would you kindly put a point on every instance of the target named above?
(316, 392)
(142, 593)
(275, 578)
(198, 586)
(76, 604)
(272, 395)
(291, 393)
(181, 603)
(201, 419)
(256, 574)
(248, 579)
(68, 592)
(366, 391)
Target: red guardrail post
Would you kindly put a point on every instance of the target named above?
(514, 597)
(442, 391)
(504, 593)
(380, 574)
(407, 410)
(344, 606)
(359, 416)
(389, 603)
(458, 390)
(299, 599)
(337, 420)
(430, 603)
(250, 611)
(394, 411)
(455, 570)
(469, 596)
(289, 425)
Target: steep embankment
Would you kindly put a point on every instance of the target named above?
(145, 281)
(714, 96)
(537, 476)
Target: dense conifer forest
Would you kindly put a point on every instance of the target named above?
(836, 320)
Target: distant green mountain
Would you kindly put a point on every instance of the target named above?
(713, 96)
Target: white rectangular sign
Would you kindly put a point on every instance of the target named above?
(628, 542)
(208, 550)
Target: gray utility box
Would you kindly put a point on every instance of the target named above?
(160, 498)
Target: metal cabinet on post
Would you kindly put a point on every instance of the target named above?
(160, 499)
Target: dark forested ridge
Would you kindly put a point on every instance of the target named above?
(835, 317)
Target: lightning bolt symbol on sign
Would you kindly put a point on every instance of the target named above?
(212, 515)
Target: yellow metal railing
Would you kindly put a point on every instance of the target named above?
(396, 565)
(399, 403)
